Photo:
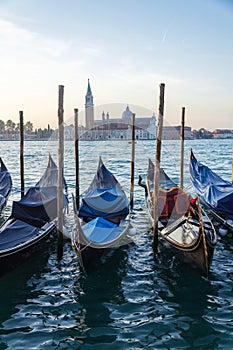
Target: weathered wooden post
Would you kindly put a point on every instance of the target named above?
(60, 171)
(21, 131)
(76, 144)
(132, 162)
(182, 148)
(157, 168)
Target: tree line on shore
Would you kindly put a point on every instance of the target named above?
(10, 131)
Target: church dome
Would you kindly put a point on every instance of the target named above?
(127, 113)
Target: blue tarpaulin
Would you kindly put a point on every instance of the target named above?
(15, 233)
(104, 197)
(100, 230)
(214, 191)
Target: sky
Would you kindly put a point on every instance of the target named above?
(127, 48)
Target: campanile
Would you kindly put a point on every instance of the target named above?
(89, 108)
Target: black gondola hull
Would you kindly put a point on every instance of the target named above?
(12, 257)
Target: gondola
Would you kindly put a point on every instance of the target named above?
(183, 226)
(32, 220)
(102, 222)
(215, 194)
(5, 184)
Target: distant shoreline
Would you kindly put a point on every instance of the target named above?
(122, 140)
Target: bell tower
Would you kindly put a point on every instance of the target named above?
(89, 108)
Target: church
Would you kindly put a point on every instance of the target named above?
(108, 128)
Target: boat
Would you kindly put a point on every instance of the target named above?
(32, 220)
(182, 226)
(102, 222)
(215, 193)
(5, 184)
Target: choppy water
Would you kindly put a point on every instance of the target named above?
(132, 301)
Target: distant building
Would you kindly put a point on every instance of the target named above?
(69, 132)
(222, 134)
(173, 132)
(108, 128)
(89, 108)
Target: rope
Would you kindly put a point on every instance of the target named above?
(76, 244)
(203, 235)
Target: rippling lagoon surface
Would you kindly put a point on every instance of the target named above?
(133, 300)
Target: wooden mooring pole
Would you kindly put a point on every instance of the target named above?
(182, 148)
(21, 127)
(60, 171)
(132, 162)
(157, 168)
(76, 145)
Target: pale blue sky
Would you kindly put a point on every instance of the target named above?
(126, 49)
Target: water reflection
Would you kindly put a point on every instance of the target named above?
(131, 301)
(14, 283)
(189, 294)
(96, 291)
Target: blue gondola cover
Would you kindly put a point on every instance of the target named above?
(104, 197)
(100, 230)
(214, 191)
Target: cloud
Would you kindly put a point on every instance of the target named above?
(18, 43)
(164, 37)
(12, 36)
(92, 51)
